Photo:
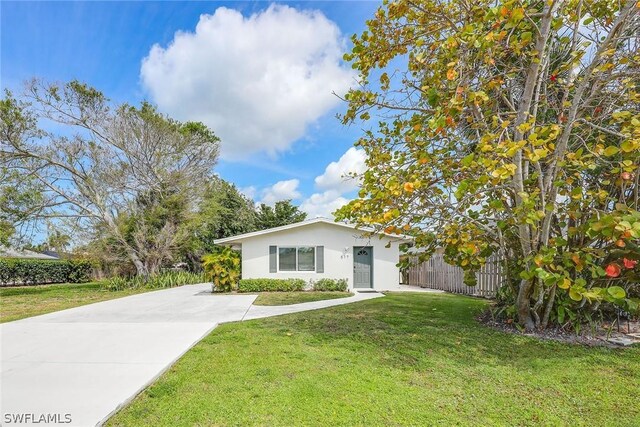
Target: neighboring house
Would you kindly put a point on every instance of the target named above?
(6, 252)
(52, 254)
(319, 248)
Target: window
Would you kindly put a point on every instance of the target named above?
(306, 258)
(287, 257)
(301, 258)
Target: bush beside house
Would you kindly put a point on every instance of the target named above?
(292, 285)
(271, 285)
(331, 285)
(223, 269)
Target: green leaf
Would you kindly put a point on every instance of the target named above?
(560, 314)
(575, 295)
(467, 160)
(611, 151)
(432, 97)
(616, 292)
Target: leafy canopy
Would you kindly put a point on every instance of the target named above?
(508, 126)
(282, 213)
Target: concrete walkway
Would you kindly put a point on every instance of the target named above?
(78, 366)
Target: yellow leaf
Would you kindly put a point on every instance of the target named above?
(628, 146)
(611, 151)
(451, 74)
(565, 284)
(524, 127)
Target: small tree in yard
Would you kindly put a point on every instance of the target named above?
(509, 126)
(223, 268)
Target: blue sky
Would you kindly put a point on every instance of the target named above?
(261, 74)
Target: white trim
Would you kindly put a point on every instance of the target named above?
(320, 220)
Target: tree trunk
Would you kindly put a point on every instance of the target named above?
(524, 306)
(547, 311)
(141, 269)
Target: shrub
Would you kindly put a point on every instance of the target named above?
(116, 284)
(38, 271)
(169, 279)
(326, 285)
(271, 285)
(223, 269)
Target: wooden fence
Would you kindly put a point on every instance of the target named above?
(437, 274)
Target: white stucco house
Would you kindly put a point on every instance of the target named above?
(320, 248)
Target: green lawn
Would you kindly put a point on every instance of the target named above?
(288, 298)
(406, 359)
(26, 301)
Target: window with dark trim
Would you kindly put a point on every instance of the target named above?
(296, 258)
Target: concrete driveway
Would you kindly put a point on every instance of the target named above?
(76, 367)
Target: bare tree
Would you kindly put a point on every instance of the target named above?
(93, 158)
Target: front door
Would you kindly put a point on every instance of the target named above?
(362, 262)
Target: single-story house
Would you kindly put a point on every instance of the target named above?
(320, 248)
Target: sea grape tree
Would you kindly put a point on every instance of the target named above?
(512, 127)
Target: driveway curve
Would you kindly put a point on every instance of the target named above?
(76, 367)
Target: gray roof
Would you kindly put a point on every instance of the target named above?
(6, 252)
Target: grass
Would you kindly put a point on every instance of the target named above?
(26, 301)
(288, 298)
(406, 359)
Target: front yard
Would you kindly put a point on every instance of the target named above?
(288, 298)
(25, 301)
(406, 359)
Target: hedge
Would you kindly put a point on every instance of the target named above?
(331, 285)
(271, 285)
(37, 271)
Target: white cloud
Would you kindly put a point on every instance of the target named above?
(335, 182)
(336, 175)
(281, 190)
(250, 192)
(323, 204)
(257, 81)
(332, 186)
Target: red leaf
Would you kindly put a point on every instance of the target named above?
(612, 270)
